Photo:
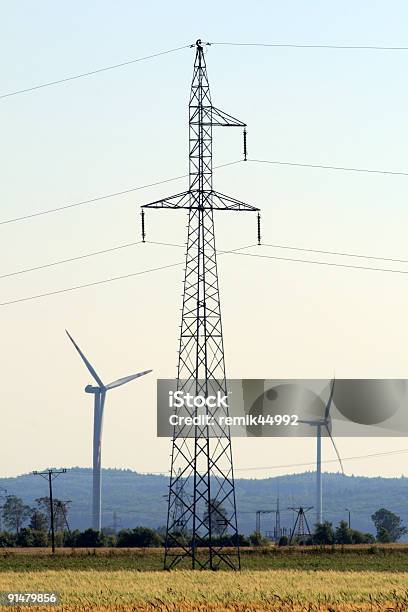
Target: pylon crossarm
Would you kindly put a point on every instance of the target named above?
(210, 115)
(179, 200)
(224, 202)
(223, 119)
(209, 200)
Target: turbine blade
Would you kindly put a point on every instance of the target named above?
(328, 405)
(85, 360)
(126, 379)
(335, 448)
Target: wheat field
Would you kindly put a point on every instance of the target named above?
(108, 586)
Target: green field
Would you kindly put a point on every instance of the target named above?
(334, 579)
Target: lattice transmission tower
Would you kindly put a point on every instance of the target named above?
(202, 490)
(301, 529)
(178, 515)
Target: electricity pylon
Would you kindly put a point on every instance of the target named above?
(301, 523)
(201, 476)
(178, 508)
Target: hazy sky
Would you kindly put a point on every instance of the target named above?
(128, 127)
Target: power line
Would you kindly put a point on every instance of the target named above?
(92, 72)
(90, 201)
(106, 280)
(62, 261)
(93, 284)
(160, 53)
(325, 263)
(325, 167)
(340, 254)
(106, 196)
(369, 456)
(322, 263)
(86, 255)
(303, 464)
(312, 46)
(285, 246)
(131, 244)
(176, 178)
(287, 465)
(234, 252)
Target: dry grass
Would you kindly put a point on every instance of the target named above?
(358, 579)
(394, 546)
(245, 591)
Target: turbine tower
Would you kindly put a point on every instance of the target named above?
(201, 459)
(324, 422)
(99, 392)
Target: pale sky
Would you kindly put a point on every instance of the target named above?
(128, 127)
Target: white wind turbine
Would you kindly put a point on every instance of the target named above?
(323, 422)
(99, 393)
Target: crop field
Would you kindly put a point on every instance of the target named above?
(333, 579)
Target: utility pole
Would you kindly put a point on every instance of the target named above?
(3, 495)
(349, 517)
(201, 458)
(278, 531)
(50, 475)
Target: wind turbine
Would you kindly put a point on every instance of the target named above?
(319, 424)
(99, 393)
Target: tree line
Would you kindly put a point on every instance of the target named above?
(28, 526)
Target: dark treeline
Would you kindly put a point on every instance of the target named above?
(30, 526)
(145, 537)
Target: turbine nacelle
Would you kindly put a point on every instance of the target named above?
(91, 389)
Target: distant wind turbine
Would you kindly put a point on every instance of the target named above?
(319, 424)
(99, 392)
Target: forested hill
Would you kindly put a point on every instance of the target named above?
(139, 499)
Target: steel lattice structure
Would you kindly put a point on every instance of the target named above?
(301, 523)
(202, 491)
